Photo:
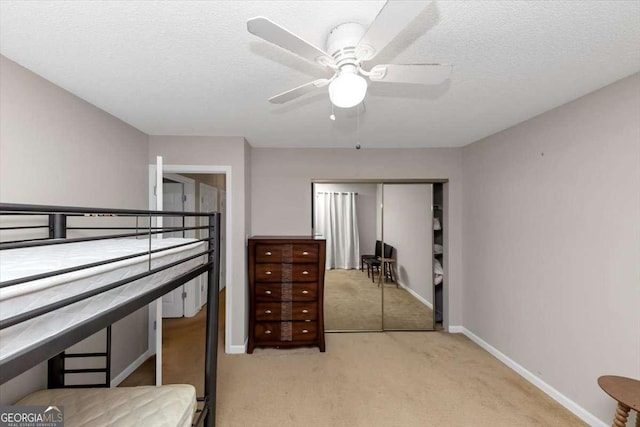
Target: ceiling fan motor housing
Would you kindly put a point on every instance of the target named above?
(342, 42)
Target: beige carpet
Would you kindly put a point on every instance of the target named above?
(353, 302)
(383, 379)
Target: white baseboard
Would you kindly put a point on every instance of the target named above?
(237, 349)
(129, 369)
(455, 329)
(415, 295)
(572, 406)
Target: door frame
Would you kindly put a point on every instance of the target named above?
(222, 200)
(205, 169)
(201, 186)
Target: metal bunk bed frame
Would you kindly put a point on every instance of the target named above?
(52, 347)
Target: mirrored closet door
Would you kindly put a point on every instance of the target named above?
(381, 263)
(348, 216)
(407, 273)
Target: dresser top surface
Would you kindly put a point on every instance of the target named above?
(307, 237)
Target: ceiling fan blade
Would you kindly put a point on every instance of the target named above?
(392, 18)
(426, 74)
(274, 33)
(298, 91)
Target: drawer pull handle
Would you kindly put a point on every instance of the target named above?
(305, 292)
(268, 273)
(267, 332)
(268, 253)
(305, 311)
(305, 253)
(267, 292)
(267, 312)
(304, 273)
(305, 331)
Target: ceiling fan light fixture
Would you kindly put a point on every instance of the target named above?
(347, 90)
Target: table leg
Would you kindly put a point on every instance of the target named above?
(394, 276)
(622, 414)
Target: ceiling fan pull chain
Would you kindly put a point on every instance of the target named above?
(358, 127)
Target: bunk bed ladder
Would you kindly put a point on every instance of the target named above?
(58, 371)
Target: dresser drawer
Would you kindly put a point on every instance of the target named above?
(285, 331)
(286, 292)
(286, 273)
(266, 311)
(290, 253)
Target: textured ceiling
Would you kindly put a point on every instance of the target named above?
(191, 68)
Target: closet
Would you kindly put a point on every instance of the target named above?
(438, 251)
(398, 279)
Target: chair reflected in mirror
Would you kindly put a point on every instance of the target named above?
(386, 261)
(378, 254)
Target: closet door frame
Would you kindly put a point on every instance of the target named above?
(379, 181)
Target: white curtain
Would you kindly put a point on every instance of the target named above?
(337, 221)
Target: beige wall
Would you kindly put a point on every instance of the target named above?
(57, 149)
(211, 179)
(551, 243)
(281, 187)
(219, 151)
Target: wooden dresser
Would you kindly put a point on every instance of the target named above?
(286, 287)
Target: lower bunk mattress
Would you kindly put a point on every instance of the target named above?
(26, 262)
(165, 406)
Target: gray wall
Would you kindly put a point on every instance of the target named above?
(551, 243)
(58, 149)
(408, 227)
(219, 151)
(281, 187)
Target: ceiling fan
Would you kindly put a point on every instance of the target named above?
(348, 46)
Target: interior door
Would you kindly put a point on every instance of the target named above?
(173, 200)
(208, 203)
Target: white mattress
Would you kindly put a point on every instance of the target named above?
(23, 262)
(164, 406)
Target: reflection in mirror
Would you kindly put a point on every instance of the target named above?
(407, 266)
(348, 216)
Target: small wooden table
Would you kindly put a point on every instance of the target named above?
(626, 392)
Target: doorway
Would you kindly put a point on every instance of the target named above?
(226, 244)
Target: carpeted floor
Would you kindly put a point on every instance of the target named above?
(353, 302)
(372, 379)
